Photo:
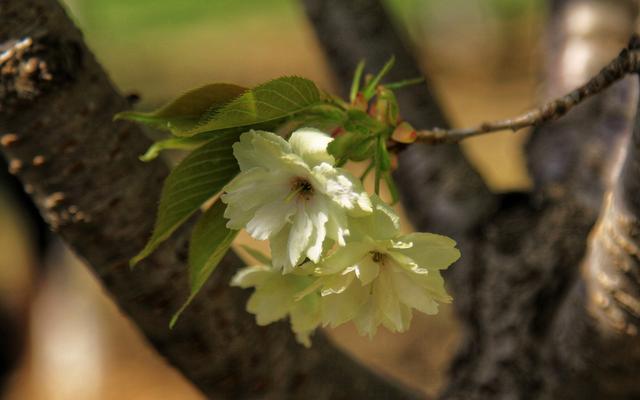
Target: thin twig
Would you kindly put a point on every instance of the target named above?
(627, 62)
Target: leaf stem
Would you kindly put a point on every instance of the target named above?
(366, 171)
(403, 83)
(377, 169)
(370, 89)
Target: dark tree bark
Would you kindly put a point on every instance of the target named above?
(56, 110)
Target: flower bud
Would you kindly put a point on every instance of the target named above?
(404, 133)
(360, 103)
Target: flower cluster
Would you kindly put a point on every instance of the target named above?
(337, 252)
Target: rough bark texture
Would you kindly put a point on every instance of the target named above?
(524, 342)
(56, 109)
(517, 289)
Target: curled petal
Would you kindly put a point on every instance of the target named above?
(336, 284)
(337, 225)
(343, 189)
(319, 218)
(260, 149)
(311, 145)
(299, 236)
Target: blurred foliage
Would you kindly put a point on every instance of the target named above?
(127, 18)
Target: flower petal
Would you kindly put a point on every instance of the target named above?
(386, 300)
(433, 283)
(382, 224)
(279, 250)
(367, 270)
(299, 236)
(336, 284)
(317, 211)
(260, 149)
(270, 301)
(406, 262)
(251, 276)
(366, 321)
(345, 190)
(412, 293)
(338, 309)
(270, 218)
(337, 225)
(344, 257)
(256, 186)
(311, 145)
(305, 318)
(237, 217)
(430, 250)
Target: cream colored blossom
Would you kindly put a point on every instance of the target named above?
(274, 299)
(381, 277)
(290, 193)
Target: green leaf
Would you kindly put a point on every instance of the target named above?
(357, 77)
(351, 146)
(404, 83)
(274, 100)
(210, 241)
(258, 255)
(184, 112)
(370, 89)
(391, 104)
(358, 121)
(358, 142)
(191, 183)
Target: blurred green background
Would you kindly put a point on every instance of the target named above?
(482, 56)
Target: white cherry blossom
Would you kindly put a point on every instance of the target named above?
(290, 193)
